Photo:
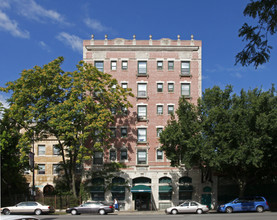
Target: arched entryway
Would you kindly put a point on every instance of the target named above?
(48, 190)
(142, 193)
(206, 197)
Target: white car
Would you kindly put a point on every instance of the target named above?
(28, 207)
(187, 207)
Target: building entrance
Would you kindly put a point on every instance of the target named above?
(142, 201)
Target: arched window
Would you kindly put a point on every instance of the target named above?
(97, 189)
(165, 180)
(185, 188)
(165, 188)
(118, 188)
(142, 180)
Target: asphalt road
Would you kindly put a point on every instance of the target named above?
(161, 216)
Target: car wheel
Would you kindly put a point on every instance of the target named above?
(6, 212)
(102, 212)
(74, 212)
(199, 211)
(174, 212)
(260, 209)
(229, 209)
(38, 212)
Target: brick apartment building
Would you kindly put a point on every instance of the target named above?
(159, 72)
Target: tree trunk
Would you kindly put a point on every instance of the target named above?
(73, 183)
(242, 185)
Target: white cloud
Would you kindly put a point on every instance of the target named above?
(30, 9)
(4, 4)
(95, 25)
(73, 41)
(11, 26)
(44, 46)
(232, 71)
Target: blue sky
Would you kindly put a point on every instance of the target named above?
(34, 32)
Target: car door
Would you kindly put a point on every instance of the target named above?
(193, 207)
(19, 208)
(94, 207)
(237, 205)
(184, 207)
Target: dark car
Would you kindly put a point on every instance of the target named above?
(250, 203)
(90, 208)
(30, 207)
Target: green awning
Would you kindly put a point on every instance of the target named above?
(97, 189)
(118, 189)
(185, 188)
(141, 188)
(165, 189)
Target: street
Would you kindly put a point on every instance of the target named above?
(161, 216)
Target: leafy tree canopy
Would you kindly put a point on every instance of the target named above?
(257, 50)
(74, 107)
(235, 135)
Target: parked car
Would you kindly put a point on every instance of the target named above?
(28, 207)
(91, 207)
(186, 207)
(253, 203)
(18, 217)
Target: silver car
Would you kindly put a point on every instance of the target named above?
(28, 207)
(187, 207)
(91, 207)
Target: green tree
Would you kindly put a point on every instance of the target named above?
(13, 182)
(180, 134)
(74, 107)
(257, 50)
(238, 135)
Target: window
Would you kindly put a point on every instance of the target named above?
(99, 65)
(160, 109)
(112, 155)
(185, 195)
(185, 89)
(159, 87)
(142, 90)
(124, 110)
(41, 150)
(124, 85)
(124, 65)
(56, 168)
(142, 134)
(41, 168)
(159, 154)
(98, 158)
(170, 109)
(170, 87)
(113, 65)
(170, 65)
(159, 131)
(185, 67)
(142, 157)
(56, 150)
(113, 110)
(159, 65)
(123, 154)
(113, 132)
(142, 112)
(123, 132)
(142, 67)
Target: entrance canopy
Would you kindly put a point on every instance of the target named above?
(141, 188)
